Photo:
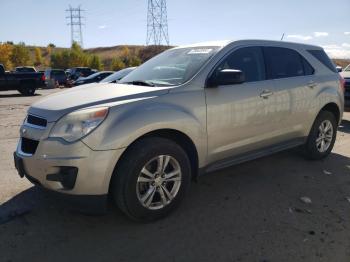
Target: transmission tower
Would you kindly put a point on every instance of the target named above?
(74, 21)
(157, 23)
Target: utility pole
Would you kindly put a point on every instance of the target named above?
(75, 22)
(157, 23)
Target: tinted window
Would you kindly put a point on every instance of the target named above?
(321, 56)
(57, 72)
(249, 60)
(283, 62)
(308, 69)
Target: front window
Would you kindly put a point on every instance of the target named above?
(172, 67)
(347, 68)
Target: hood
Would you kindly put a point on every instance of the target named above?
(345, 74)
(54, 106)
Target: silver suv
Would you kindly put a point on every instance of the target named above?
(187, 111)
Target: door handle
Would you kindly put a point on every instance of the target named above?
(311, 84)
(266, 93)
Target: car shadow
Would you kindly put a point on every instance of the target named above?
(344, 126)
(248, 212)
(15, 95)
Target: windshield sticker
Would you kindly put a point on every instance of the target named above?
(200, 51)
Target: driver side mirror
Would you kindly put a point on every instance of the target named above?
(226, 77)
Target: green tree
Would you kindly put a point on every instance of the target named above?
(117, 64)
(5, 55)
(77, 56)
(95, 62)
(19, 55)
(38, 57)
(134, 61)
(60, 59)
(70, 58)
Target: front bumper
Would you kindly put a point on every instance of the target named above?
(69, 168)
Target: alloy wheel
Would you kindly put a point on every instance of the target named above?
(325, 136)
(159, 182)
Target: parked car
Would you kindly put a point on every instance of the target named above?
(54, 77)
(187, 111)
(117, 76)
(25, 83)
(25, 69)
(346, 75)
(94, 78)
(77, 72)
(339, 68)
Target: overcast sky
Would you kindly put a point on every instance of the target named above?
(115, 22)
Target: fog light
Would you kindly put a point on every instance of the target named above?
(67, 175)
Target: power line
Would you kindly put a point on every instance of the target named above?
(75, 22)
(157, 23)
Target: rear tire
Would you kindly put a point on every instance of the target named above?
(27, 89)
(151, 179)
(322, 136)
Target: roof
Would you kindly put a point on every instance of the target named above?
(210, 43)
(250, 41)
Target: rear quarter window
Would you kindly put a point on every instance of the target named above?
(321, 56)
(283, 62)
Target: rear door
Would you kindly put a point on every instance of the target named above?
(294, 87)
(238, 116)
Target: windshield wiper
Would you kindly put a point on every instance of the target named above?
(141, 83)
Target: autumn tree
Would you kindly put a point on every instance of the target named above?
(38, 57)
(95, 62)
(5, 55)
(19, 55)
(117, 64)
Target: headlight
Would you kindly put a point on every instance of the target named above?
(78, 124)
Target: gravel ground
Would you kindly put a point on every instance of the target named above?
(249, 212)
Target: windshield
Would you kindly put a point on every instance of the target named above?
(93, 75)
(347, 68)
(117, 75)
(172, 67)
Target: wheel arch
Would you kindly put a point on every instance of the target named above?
(180, 138)
(334, 109)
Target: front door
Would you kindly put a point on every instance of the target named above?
(239, 116)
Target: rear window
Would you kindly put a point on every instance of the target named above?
(57, 72)
(321, 56)
(283, 62)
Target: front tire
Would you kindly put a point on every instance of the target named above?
(151, 179)
(322, 136)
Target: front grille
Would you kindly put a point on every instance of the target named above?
(29, 146)
(38, 121)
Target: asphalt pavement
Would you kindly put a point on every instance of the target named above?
(277, 208)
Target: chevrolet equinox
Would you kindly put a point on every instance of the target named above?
(189, 110)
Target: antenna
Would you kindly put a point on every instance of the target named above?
(74, 17)
(282, 37)
(157, 23)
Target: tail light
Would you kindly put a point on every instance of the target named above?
(342, 84)
(43, 78)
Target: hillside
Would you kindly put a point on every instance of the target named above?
(106, 54)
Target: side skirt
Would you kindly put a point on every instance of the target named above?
(221, 164)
